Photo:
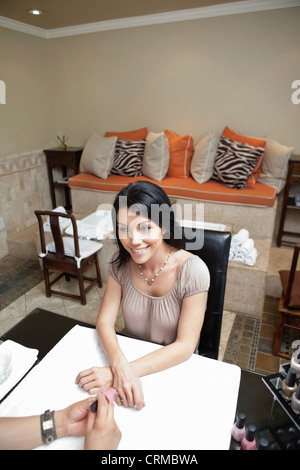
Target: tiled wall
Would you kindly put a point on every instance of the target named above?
(24, 187)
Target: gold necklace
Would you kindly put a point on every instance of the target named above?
(150, 281)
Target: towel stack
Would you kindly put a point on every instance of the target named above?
(242, 248)
(63, 223)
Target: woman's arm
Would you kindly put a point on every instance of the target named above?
(125, 379)
(25, 432)
(188, 333)
(124, 376)
(120, 374)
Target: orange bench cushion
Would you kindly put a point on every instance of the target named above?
(258, 195)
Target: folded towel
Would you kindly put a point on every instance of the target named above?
(239, 257)
(250, 259)
(232, 251)
(23, 359)
(241, 237)
(247, 247)
(63, 223)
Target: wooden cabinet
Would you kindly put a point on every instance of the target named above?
(288, 202)
(69, 158)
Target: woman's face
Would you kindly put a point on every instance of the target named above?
(140, 236)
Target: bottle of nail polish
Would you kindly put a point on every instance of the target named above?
(249, 442)
(289, 385)
(239, 431)
(295, 404)
(263, 444)
(110, 394)
(295, 362)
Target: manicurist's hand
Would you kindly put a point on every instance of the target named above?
(102, 431)
(95, 380)
(73, 419)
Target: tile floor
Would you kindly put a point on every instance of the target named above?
(245, 341)
(17, 276)
(250, 342)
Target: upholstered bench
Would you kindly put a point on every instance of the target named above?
(252, 208)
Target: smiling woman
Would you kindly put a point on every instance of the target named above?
(145, 206)
(169, 312)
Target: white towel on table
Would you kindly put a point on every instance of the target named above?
(233, 250)
(250, 259)
(239, 257)
(23, 359)
(240, 238)
(247, 247)
(63, 223)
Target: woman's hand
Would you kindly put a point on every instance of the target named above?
(129, 386)
(95, 380)
(102, 431)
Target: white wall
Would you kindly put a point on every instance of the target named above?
(27, 119)
(192, 76)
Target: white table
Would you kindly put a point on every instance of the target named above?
(190, 406)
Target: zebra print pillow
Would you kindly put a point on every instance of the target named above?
(234, 162)
(128, 157)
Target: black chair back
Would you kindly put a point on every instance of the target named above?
(215, 254)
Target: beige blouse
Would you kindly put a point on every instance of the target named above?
(155, 319)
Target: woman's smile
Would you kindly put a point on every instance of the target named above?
(139, 251)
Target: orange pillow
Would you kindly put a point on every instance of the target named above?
(138, 134)
(181, 151)
(255, 142)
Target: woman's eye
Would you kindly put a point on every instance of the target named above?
(123, 229)
(145, 228)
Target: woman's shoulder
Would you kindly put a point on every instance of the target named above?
(193, 274)
(188, 260)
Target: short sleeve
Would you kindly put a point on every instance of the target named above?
(194, 276)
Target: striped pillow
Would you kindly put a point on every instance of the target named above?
(128, 157)
(234, 162)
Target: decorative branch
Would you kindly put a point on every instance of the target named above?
(63, 141)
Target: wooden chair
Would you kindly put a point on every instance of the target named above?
(69, 256)
(289, 305)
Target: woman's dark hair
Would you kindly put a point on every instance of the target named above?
(150, 200)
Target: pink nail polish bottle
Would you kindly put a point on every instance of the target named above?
(239, 431)
(249, 442)
(110, 394)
